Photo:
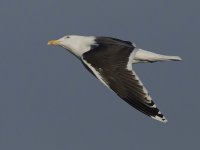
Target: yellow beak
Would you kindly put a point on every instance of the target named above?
(53, 42)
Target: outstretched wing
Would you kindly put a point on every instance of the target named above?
(109, 63)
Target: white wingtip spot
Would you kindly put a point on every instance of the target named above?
(154, 106)
(163, 119)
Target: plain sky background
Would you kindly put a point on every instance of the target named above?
(49, 101)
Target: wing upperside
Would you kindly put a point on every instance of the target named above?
(111, 68)
(92, 70)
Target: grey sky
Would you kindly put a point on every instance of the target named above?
(49, 101)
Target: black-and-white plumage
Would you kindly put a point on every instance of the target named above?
(110, 60)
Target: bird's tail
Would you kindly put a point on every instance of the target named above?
(146, 56)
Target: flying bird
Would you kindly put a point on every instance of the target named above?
(110, 60)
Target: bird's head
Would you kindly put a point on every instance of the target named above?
(74, 43)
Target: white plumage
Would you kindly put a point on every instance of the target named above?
(110, 60)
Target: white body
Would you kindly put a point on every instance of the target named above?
(81, 44)
(78, 45)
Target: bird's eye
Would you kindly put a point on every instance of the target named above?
(67, 37)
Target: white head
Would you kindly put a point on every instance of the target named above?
(74, 43)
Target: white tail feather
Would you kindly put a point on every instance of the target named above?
(146, 56)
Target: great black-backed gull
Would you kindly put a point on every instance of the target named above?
(110, 60)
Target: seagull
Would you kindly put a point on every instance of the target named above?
(110, 60)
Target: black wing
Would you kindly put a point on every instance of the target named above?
(108, 62)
